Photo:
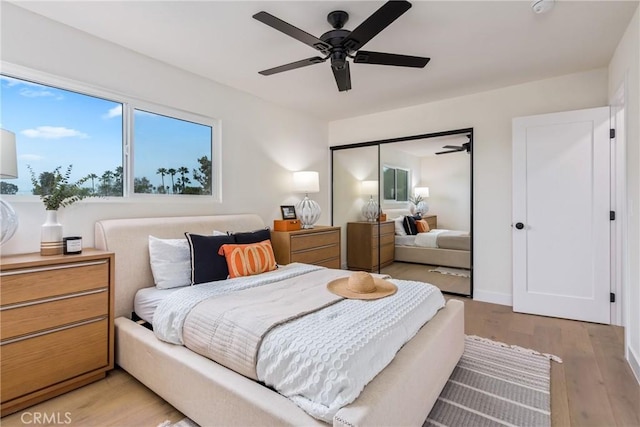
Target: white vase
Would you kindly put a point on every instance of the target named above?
(51, 235)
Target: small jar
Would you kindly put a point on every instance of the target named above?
(72, 245)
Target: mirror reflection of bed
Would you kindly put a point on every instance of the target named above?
(403, 169)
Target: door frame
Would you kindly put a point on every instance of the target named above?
(620, 280)
(378, 143)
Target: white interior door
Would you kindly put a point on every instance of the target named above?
(561, 225)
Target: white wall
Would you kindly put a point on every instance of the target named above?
(261, 143)
(448, 177)
(489, 114)
(625, 68)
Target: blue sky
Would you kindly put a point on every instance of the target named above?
(56, 127)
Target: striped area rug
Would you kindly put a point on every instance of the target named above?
(495, 384)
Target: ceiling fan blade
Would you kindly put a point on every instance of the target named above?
(450, 151)
(363, 57)
(293, 65)
(454, 147)
(292, 31)
(381, 18)
(343, 77)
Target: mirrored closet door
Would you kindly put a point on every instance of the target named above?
(405, 207)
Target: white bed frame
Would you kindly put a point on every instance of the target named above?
(430, 256)
(210, 394)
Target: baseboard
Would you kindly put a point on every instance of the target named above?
(634, 362)
(493, 297)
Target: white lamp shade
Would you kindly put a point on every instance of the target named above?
(8, 159)
(306, 182)
(369, 188)
(421, 191)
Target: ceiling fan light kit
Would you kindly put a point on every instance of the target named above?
(338, 44)
(542, 6)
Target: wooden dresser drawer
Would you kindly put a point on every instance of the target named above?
(387, 253)
(324, 238)
(330, 263)
(37, 283)
(388, 228)
(23, 319)
(38, 362)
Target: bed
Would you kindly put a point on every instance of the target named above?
(452, 247)
(210, 394)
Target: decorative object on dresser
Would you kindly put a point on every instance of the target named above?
(418, 204)
(288, 212)
(8, 170)
(56, 191)
(370, 210)
(308, 211)
(57, 325)
(319, 245)
(370, 245)
(286, 224)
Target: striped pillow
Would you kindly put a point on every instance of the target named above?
(249, 259)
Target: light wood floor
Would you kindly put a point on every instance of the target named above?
(421, 273)
(593, 387)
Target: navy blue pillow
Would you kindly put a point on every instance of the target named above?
(206, 264)
(257, 236)
(409, 224)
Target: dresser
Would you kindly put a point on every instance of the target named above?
(56, 332)
(365, 240)
(319, 245)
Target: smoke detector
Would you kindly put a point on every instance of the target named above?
(542, 6)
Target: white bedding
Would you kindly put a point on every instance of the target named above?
(323, 360)
(147, 299)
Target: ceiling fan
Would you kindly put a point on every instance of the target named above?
(339, 44)
(457, 148)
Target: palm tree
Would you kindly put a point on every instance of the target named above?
(162, 172)
(172, 172)
(182, 171)
(106, 178)
(93, 177)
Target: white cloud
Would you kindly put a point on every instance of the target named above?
(38, 93)
(30, 157)
(113, 112)
(53, 132)
(10, 81)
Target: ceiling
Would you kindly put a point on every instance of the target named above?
(473, 45)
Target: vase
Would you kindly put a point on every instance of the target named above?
(51, 235)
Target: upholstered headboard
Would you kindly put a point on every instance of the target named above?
(129, 240)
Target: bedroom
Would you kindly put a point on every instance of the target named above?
(280, 140)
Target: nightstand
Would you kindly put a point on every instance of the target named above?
(362, 245)
(57, 324)
(432, 220)
(319, 245)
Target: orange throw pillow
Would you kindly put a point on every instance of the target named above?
(249, 259)
(422, 225)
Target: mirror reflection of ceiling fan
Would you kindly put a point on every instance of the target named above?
(457, 148)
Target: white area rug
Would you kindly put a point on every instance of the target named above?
(452, 271)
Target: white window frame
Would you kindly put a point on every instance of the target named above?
(129, 104)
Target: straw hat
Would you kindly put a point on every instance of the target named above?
(362, 285)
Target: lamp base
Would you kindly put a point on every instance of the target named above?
(8, 222)
(308, 212)
(370, 211)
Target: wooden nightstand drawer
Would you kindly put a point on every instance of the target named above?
(44, 282)
(365, 240)
(319, 245)
(324, 238)
(35, 363)
(32, 317)
(313, 256)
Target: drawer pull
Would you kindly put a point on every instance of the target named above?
(299, 251)
(52, 267)
(42, 301)
(50, 331)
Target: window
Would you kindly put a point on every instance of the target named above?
(395, 183)
(171, 156)
(57, 128)
(117, 147)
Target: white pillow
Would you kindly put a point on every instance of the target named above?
(400, 226)
(170, 262)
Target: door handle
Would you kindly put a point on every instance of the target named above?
(519, 225)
